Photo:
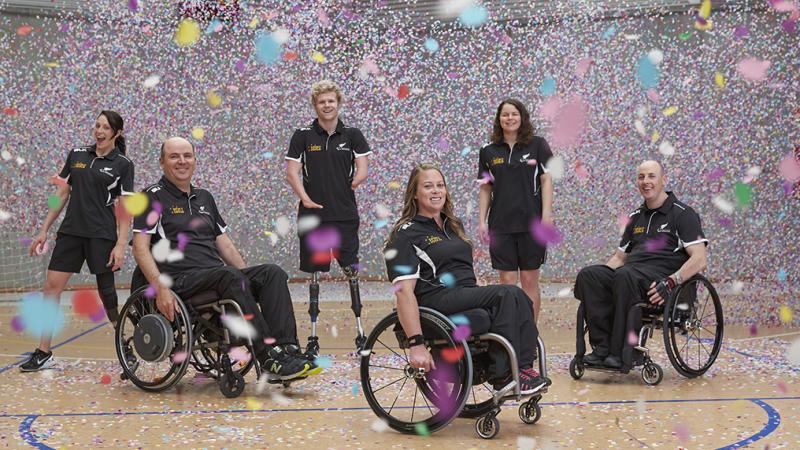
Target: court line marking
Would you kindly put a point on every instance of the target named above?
(773, 421)
(81, 334)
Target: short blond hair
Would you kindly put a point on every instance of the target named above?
(323, 87)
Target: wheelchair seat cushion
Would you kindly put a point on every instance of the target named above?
(479, 320)
(202, 298)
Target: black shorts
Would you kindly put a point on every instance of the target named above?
(71, 251)
(516, 251)
(313, 254)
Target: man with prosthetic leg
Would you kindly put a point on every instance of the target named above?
(333, 160)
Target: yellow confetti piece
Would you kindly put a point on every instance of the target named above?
(669, 111)
(705, 9)
(253, 404)
(135, 204)
(52, 64)
(655, 137)
(198, 133)
(253, 23)
(393, 185)
(188, 33)
(720, 80)
(319, 57)
(268, 233)
(213, 99)
(785, 314)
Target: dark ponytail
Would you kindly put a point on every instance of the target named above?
(118, 125)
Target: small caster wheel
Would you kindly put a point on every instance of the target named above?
(231, 384)
(530, 412)
(576, 369)
(652, 374)
(487, 426)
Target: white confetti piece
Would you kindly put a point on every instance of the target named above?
(382, 211)
(6, 155)
(161, 250)
(566, 292)
(282, 226)
(165, 280)
(174, 255)
(307, 223)
(279, 398)
(151, 81)
(639, 126)
(655, 56)
(737, 287)
(722, 204)
(555, 167)
(390, 254)
(526, 443)
(281, 36)
(379, 426)
(793, 354)
(238, 326)
(641, 408)
(334, 331)
(666, 148)
(5, 215)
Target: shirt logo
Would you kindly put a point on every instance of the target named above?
(433, 239)
(202, 210)
(107, 171)
(177, 210)
(663, 229)
(638, 230)
(79, 165)
(342, 147)
(314, 148)
(498, 160)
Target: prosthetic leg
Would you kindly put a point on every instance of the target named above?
(355, 304)
(312, 349)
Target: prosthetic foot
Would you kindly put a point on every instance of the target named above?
(355, 304)
(312, 349)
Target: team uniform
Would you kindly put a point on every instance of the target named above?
(89, 229)
(192, 222)
(515, 174)
(328, 167)
(442, 265)
(655, 241)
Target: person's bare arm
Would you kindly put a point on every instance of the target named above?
(362, 170)
(165, 301)
(408, 312)
(547, 198)
(228, 252)
(484, 200)
(117, 256)
(617, 260)
(295, 181)
(63, 193)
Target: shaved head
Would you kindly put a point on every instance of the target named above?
(650, 165)
(175, 142)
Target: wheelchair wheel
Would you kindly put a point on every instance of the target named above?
(480, 400)
(530, 412)
(231, 384)
(576, 369)
(487, 426)
(152, 351)
(402, 396)
(652, 374)
(206, 359)
(693, 327)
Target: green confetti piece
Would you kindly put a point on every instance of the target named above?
(53, 201)
(744, 193)
(422, 429)
(685, 35)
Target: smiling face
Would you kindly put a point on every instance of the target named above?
(510, 118)
(104, 135)
(431, 193)
(178, 161)
(327, 106)
(650, 181)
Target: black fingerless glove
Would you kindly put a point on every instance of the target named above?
(665, 287)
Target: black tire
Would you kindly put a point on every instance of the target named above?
(152, 376)
(231, 384)
(693, 327)
(652, 374)
(425, 403)
(487, 427)
(576, 369)
(530, 412)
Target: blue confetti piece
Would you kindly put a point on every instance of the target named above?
(40, 316)
(474, 16)
(610, 32)
(447, 279)
(782, 275)
(323, 362)
(465, 151)
(267, 154)
(354, 388)
(459, 319)
(403, 270)
(548, 87)
(213, 26)
(431, 45)
(380, 223)
(647, 72)
(267, 49)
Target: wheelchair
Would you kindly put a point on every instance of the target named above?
(412, 401)
(692, 326)
(155, 353)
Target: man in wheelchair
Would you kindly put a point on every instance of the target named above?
(429, 261)
(659, 249)
(207, 260)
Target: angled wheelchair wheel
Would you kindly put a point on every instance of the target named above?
(208, 332)
(409, 401)
(480, 398)
(153, 352)
(693, 327)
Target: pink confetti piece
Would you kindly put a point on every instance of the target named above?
(545, 234)
(179, 357)
(753, 69)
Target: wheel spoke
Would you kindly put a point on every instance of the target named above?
(388, 368)
(385, 386)
(405, 358)
(398, 395)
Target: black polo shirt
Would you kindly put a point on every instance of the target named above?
(194, 214)
(96, 181)
(516, 190)
(659, 237)
(329, 163)
(428, 254)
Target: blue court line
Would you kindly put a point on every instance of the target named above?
(81, 334)
(774, 418)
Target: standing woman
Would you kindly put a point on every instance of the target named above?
(93, 177)
(517, 190)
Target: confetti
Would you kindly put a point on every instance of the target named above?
(239, 327)
(187, 33)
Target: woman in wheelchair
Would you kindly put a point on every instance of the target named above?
(429, 261)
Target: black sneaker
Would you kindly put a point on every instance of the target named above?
(284, 365)
(295, 350)
(530, 382)
(593, 359)
(39, 360)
